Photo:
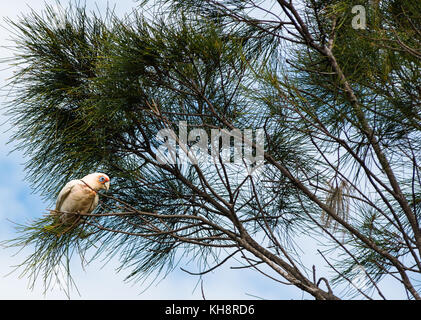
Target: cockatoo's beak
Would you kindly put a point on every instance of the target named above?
(107, 185)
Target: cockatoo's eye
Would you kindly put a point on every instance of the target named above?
(102, 179)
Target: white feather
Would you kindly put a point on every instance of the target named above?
(79, 196)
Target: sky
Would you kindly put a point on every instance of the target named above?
(98, 281)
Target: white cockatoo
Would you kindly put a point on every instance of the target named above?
(80, 196)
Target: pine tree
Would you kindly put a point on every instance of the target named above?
(338, 107)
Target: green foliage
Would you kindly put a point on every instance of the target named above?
(92, 93)
(84, 101)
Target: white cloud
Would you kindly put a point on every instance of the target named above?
(97, 282)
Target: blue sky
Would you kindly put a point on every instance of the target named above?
(97, 281)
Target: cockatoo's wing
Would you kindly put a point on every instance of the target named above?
(64, 193)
